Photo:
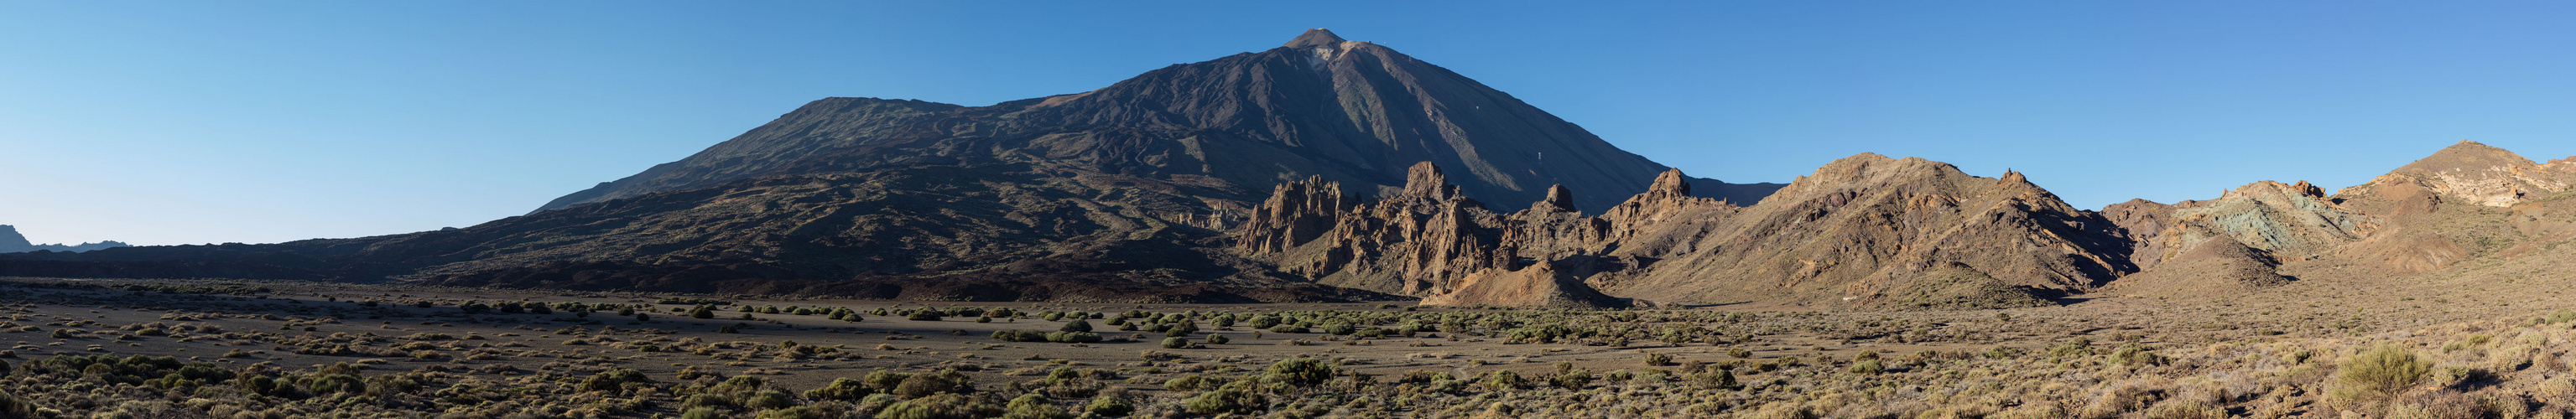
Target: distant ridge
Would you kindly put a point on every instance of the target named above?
(12, 242)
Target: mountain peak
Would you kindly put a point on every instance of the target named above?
(1286, 112)
(1314, 38)
(2465, 156)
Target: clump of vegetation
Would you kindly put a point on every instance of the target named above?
(2379, 372)
(1300, 371)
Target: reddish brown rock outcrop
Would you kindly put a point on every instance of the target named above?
(1864, 231)
(1420, 241)
(1426, 240)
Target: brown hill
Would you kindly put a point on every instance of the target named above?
(2458, 204)
(2478, 174)
(2215, 266)
(1858, 231)
(2465, 202)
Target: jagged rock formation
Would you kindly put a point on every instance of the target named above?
(11, 242)
(1426, 241)
(1351, 112)
(1875, 232)
(1417, 242)
(1863, 231)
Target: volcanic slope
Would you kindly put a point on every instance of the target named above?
(1357, 113)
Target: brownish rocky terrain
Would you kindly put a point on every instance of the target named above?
(1876, 233)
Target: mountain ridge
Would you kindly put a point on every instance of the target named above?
(12, 242)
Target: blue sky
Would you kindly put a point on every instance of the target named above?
(203, 122)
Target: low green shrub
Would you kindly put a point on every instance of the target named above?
(2380, 371)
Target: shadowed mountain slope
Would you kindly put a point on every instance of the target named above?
(1352, 112)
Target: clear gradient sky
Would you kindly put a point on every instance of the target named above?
(244, 121)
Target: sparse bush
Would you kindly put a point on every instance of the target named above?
(1110, 407)
(921, 385)
(1033, 406)
(2561, 316)
(843, 389)
(1225, 400)
(768, 399)
(2378, 372)
(1500, 380)
(1186, 383)
(1340, 329)
(2185, 409)
(2135, 356)
(940, 406)
(1867, 367)
(1717, 379)
(1300, 371)
(613, 379)
(1073, 337)
(1569, 377)
(1658, 359)
(1019, 336)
